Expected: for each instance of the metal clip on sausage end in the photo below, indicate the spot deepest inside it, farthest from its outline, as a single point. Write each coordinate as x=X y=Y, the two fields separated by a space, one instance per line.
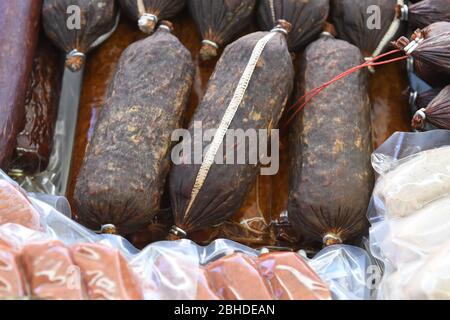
x=147 y=23
x=108 y=229
x=209 y=49
x=75 y=60
x=413 y=98
x=330 y=239
x=178 y=232
x=283 y=27
x=402 y=12
x=418 y=121
x=328 y=30
x=166 y=26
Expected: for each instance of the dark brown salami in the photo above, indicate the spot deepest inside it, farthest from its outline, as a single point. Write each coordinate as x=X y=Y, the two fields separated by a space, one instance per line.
x=430 y=48
x=148 y=12
x=426 y=12
x=128 y=158
x=422 y=100
x=368 y=24
x=306 y=17
x=226 y=185
x=330 y=176
x=437 y=113
x=34 y=142
x=219 y=21
x=19 y=27
x=77 y=26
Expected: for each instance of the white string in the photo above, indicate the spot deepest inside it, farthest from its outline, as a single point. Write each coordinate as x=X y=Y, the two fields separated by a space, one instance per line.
x=272 y=11
x=141 y=7
x=105 y=36
x=230 y=112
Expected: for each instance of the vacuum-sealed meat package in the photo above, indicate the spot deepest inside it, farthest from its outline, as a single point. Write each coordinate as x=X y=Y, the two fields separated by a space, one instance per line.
x=51 y=272
x=106 y=273
x=416 y=235
x=236 y=277
x=12 y=285
x=409 y=215
x=291 y=278
x=413 y=183
x=15 y=207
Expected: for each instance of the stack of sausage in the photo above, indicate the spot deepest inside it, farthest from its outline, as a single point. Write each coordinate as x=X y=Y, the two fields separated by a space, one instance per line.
x=48 y=269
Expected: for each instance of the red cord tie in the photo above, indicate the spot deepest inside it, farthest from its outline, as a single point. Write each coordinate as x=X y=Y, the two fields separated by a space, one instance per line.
x=306 y=98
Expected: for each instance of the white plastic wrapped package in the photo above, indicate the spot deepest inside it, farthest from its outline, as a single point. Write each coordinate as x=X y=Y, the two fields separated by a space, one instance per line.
x=409 y=213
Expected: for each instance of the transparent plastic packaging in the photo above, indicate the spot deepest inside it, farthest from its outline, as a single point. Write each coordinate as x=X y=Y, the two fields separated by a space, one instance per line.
x=291 y=278
x=347 y=270
x=63 y=260
x=409 y=215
